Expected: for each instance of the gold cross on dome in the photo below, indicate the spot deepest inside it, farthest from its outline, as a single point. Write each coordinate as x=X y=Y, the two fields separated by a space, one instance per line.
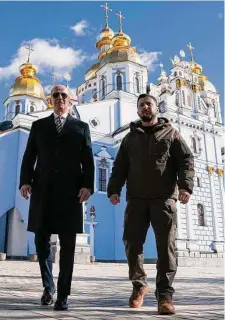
x=30 y=49
x=191 y=51
x=120 y=17
x=106 y=8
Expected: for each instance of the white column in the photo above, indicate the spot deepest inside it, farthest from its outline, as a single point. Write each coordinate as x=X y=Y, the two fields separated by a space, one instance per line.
x=220 y=173
x=92 y=225
x=192 y=243
x=180 y=240
x=213 y=202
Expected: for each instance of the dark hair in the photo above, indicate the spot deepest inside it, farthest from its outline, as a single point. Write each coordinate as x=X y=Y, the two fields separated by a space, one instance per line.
x=143 y=95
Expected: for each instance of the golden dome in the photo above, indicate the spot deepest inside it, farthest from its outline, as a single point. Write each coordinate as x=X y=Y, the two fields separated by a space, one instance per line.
x=105 y=39
x=106 y=33
x=121 y=54
x=91 y=72
x=121 y=40
x=27 y=83
x=206 y=85
x=195 y=67
x=48 y=99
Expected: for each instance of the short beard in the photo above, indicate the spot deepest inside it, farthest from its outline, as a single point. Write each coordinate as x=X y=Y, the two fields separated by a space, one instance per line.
x=147 y=118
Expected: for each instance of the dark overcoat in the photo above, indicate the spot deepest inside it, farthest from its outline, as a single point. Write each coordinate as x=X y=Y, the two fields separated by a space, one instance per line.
x=57 y=166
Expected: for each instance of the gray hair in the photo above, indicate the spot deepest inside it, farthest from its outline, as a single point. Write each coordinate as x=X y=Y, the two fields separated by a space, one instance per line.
x=59 y=85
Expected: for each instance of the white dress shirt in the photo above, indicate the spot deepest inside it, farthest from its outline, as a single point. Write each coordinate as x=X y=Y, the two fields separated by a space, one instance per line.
x=63 y=117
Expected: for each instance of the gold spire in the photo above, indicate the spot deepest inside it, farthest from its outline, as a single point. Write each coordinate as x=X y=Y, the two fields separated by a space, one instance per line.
x=195 y=67
x=191 y=50
x=120 y=40
x=106 y=8
x=30 y=49
x=27 y=83
x=105 y=38
x=120 y=17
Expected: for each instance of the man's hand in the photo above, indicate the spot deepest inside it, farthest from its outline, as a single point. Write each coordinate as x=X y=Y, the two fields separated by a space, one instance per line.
x=84 y=194
x=114 y=199
x=25 y=190
x=184 y=196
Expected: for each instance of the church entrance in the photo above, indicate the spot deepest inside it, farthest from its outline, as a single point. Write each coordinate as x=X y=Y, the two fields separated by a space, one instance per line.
x=4 y=222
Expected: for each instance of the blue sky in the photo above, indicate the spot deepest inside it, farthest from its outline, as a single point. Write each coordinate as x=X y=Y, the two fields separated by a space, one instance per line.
x=157 y=29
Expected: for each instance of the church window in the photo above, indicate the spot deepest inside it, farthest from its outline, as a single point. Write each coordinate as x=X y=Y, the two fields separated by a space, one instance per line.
x=137 y=83
x=175 y=74
x=183 y=97
x=201 y=215
x=17 y=109
x=199 y=104
x=102 y=179
x=189 y=100
x=31 y=108
x=119 y=82
x=177 y=99
x=103 y=87
x=194 y=145
x=180 y=73
x=198 y=182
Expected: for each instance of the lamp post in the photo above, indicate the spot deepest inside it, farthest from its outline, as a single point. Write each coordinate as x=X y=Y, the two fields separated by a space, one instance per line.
x=92 y=235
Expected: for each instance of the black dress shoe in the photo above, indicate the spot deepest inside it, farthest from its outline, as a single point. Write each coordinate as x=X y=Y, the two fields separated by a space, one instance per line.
x=61 y=304
x=47 y=297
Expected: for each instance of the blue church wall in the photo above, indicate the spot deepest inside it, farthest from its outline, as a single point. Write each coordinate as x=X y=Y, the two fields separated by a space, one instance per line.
x=8 y=170
x=2 y=232
x=111 y=221
x=20 y=203
x=104 y=230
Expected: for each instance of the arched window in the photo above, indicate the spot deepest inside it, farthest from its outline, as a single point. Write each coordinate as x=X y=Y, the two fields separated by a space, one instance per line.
x=177 y=99
x=31 y=108
x=183 y=97
x=198 y=182
x=194 y=145
x=189 y=100
x=119 y=82
x=17 y=109
x=137 y=84
x=103 y=86
x=102 y=179
x=201 y=215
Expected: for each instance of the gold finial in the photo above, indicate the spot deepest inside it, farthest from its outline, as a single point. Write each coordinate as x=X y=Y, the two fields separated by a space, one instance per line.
x=210 y=169
x=106 y=8
x=30 y=49
x=120 y=17
x=191 y=50
x=220 y=172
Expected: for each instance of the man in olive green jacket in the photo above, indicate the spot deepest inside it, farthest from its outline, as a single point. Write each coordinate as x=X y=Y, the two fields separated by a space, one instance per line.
x=158 y=168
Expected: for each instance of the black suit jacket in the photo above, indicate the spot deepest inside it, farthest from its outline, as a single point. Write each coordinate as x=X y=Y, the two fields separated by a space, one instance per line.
x=57 y=166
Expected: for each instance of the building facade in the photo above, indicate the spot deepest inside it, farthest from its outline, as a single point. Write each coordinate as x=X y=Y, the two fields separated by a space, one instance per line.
x=107 y=102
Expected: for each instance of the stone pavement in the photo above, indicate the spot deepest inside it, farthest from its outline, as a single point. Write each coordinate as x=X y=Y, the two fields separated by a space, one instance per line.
x=101 y=291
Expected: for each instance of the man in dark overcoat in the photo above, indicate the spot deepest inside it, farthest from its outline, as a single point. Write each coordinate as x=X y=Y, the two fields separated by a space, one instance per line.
x=58 y=171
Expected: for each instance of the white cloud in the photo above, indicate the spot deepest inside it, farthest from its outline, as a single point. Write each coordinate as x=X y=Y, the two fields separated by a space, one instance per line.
x=150 y=59
x=47 y=55
x=79 y=28
x=220 y=15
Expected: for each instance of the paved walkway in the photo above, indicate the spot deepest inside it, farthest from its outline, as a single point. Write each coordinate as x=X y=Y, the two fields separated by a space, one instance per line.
x=101 y=291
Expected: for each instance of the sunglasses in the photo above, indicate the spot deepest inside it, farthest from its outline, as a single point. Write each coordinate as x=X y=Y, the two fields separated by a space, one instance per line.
x=57 y=94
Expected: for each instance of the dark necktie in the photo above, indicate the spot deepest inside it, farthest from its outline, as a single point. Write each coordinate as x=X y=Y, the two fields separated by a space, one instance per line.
x=58 y=123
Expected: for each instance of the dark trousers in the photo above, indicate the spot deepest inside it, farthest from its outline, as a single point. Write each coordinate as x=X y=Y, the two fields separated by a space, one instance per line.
x=162 y=215
x=66 y=261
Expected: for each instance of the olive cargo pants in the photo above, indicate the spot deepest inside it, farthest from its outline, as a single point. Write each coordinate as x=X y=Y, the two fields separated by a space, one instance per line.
x=162 y=215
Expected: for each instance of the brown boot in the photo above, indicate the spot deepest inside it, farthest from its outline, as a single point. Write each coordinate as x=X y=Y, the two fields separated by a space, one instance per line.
x=165 y=306
x=137 y=296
